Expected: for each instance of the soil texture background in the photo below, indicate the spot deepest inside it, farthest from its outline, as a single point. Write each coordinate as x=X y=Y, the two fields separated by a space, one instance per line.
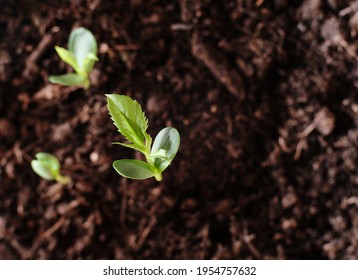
x=263 y=93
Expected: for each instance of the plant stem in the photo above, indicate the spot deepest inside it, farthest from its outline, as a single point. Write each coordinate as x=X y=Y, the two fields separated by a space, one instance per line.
x=86 y=83
x=150 y=160
x=64 y=180
x=158 y=177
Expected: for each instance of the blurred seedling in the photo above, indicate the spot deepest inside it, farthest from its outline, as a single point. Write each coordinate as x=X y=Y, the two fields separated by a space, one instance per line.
x=81 y=56
x=47 y=166
x=132 y=123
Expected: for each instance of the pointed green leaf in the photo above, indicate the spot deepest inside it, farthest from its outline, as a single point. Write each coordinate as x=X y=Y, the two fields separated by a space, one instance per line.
x=67 y=57
x=133 y=169
x=89 y=62
x=129 y=118
x=82 y=43
x=92 y=56
x=148 y=139
x=168 y=139
x=71 y=79
x=46 y=166
x=129 y=145
x=160 y=154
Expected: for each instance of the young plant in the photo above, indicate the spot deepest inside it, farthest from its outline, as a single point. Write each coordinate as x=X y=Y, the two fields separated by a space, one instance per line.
x=81 y=56
x=47 y=166
x=132 y=123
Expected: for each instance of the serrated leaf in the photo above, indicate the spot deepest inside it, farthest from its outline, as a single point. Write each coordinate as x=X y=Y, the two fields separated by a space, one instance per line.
x=148 y=140
x=129 y=118
x=46 y=166
x=133 y=169
x=67 y=57
x=168 y=139
x=160 y=154
x=129 y=145
x=82 y=43
x=71 y=79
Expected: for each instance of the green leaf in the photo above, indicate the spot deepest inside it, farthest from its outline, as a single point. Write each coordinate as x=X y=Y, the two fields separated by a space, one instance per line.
x=133 y=169
x=129 y=118
x=89 y=62
x=92 y=56
x=46 y=166
x=168 y=139
x=160 y=154
x=71 y=79
x=82 y=44
x=42 y=170
x=67 y=57
x=129 y=145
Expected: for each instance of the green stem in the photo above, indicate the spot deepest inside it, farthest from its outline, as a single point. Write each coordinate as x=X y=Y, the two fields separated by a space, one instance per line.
x=148 y=157
x=64 y=180
x=86 y=84
x=158 y=177
x=150 y=160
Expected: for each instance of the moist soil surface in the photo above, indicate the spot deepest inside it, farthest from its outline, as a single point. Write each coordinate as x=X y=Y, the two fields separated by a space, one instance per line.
x=263 y=93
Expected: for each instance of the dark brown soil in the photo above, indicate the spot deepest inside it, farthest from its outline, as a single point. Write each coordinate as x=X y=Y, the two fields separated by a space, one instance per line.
x=263 y=93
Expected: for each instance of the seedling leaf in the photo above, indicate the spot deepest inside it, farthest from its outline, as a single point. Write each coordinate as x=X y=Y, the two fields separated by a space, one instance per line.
x=82 y=43
x=129 y=145
x=168 y=139
x=133 y=169
x=70 y=79
x=46 y=166
x=42 y=170
x=67 y=57
x=161 y=154
x=129 y=118
x=89 y=62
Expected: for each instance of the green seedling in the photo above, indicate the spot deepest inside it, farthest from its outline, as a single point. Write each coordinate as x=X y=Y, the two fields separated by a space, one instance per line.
x=47 y=166
x=132 y=123
x=81 y=56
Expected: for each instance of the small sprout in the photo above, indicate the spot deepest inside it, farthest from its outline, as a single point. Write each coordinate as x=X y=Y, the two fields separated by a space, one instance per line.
x=47 y=166
x=132 y=123
x=81 y=56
